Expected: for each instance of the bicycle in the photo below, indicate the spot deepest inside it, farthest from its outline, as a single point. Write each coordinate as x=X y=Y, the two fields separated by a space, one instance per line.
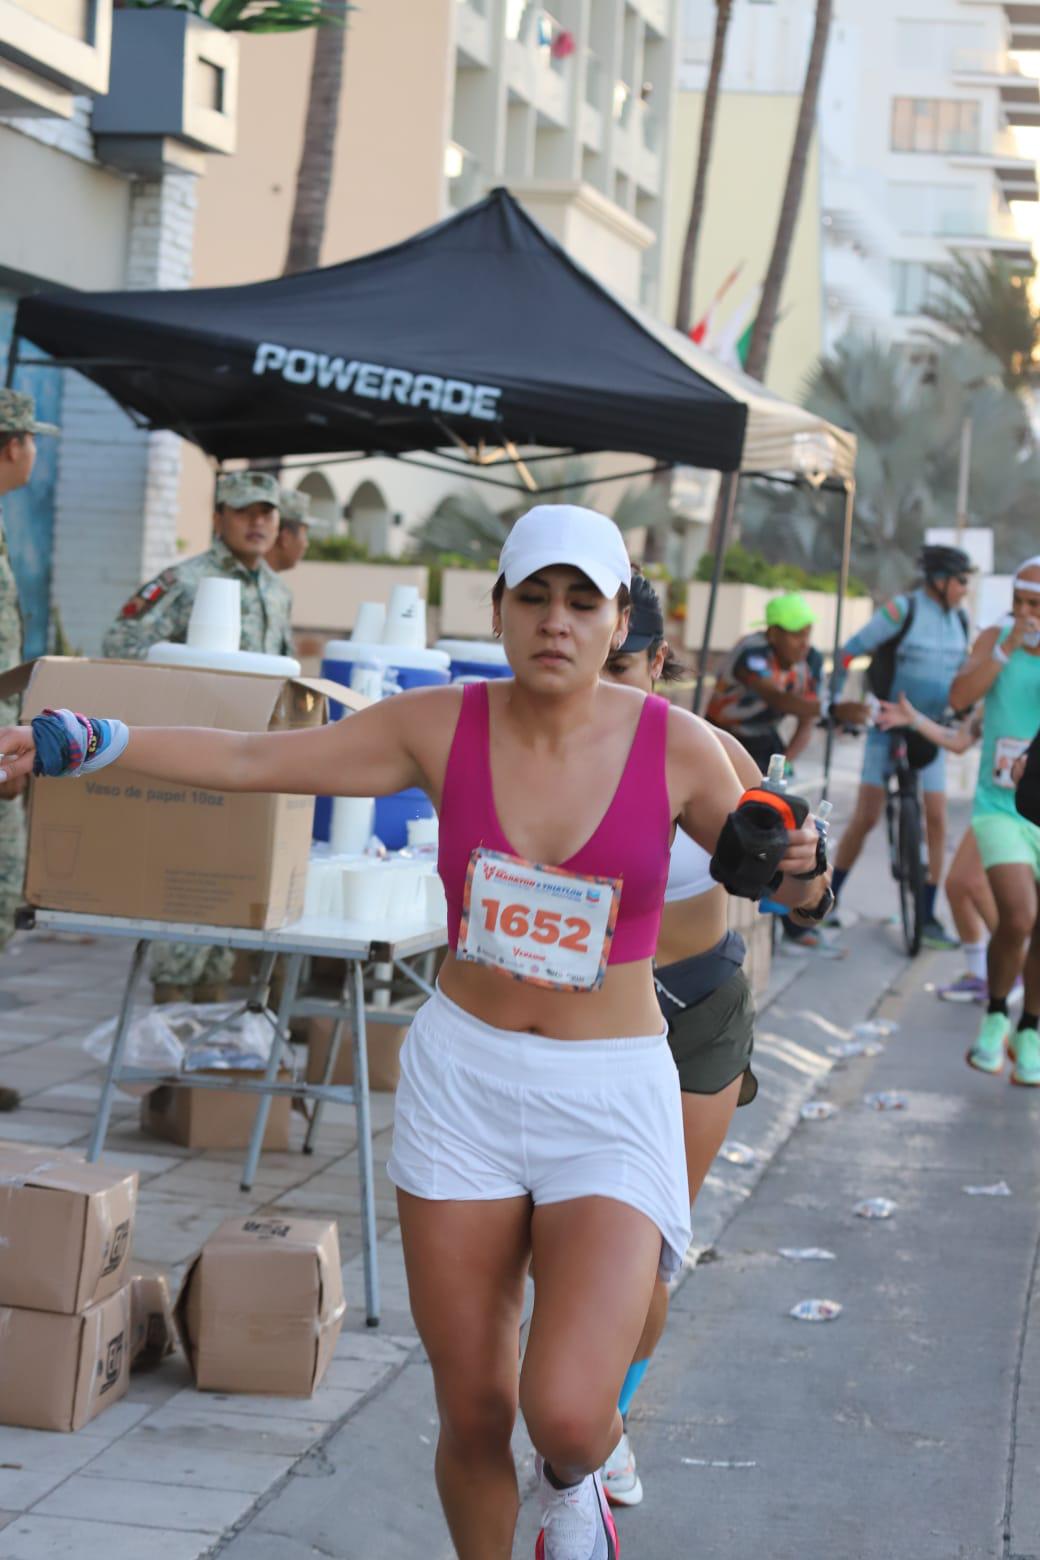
x=904 y=820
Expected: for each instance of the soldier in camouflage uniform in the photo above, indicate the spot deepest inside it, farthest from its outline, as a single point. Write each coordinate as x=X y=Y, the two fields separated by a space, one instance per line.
x=18 y=430
x=291 y=546
x=246 y=524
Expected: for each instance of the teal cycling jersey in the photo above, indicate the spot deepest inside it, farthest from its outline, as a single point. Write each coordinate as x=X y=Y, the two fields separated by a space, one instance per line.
x=927 y=659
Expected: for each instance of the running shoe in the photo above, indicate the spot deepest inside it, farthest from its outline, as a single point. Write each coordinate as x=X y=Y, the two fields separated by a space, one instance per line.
x=621 y=1483
x=966 y=988
x=1027 y=1059
x=987 y=1054
x=576 y=1523
x=935 y=935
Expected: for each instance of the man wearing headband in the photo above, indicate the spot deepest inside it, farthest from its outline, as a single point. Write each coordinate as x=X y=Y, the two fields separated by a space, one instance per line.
x=917 y=643
x=769 y=676
x=1004 y=669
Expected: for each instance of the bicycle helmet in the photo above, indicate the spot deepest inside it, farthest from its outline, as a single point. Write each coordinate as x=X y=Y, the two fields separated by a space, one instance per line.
x=937 y=560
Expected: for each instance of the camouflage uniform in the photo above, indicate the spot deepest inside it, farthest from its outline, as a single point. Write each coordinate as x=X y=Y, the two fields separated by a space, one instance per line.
x=17 y=415
x=160 y=611
x=294 y=506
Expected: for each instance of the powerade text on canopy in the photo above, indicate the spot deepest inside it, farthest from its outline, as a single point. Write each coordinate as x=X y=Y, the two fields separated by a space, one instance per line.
x=300 y=366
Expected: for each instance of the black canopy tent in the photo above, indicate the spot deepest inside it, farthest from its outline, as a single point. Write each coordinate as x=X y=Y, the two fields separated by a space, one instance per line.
x=472 y=341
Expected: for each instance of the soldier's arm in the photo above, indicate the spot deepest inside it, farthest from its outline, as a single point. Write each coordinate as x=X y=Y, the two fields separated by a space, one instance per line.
x=159 y=610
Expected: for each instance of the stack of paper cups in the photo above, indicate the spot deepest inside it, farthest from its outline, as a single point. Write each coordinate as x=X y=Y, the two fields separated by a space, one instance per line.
x=371 y=622
x=406 y=618
x=352 y=818
x=216 y=617
x=367 y=679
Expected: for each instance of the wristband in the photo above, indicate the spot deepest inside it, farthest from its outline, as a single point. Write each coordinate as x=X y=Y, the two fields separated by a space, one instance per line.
x=68 y=744
x=1000 y=655
x=821 y=909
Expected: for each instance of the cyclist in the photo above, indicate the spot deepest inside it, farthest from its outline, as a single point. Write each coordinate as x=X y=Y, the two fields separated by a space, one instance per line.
x=1004 y=669
x=919 y=642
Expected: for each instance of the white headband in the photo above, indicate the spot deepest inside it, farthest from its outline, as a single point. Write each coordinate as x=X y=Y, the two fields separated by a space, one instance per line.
x=1023 y=584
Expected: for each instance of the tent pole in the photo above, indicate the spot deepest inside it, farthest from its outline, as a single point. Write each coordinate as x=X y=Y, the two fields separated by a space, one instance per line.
x=843 y=587
x=725 y=505
x=12 y=361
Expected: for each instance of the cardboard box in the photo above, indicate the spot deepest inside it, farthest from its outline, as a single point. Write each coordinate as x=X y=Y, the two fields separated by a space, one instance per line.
x=384 y=1053
x=212 y=1118
x=119 y=843
x=262 y=1306
x=65 y=1229
x=152 y=1332
x=58 y=1372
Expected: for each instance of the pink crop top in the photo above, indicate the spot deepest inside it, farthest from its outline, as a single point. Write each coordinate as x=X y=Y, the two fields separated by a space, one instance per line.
x=631 y=841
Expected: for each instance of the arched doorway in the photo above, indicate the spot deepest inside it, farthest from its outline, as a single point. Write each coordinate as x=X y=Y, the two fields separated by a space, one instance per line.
x=325 y=515
x=370 y=518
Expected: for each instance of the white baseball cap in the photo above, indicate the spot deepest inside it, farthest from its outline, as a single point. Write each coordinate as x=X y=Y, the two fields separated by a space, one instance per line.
x=566 y=533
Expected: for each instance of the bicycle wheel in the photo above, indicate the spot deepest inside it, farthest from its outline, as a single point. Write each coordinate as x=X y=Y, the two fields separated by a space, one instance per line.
x=892 y=830
x=911 y=873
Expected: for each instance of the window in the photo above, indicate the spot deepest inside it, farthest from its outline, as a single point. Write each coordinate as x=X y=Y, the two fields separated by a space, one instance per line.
x=940 y=209
x=209 y=85
x=938 y=45
x=935 y=124
x=915 y=286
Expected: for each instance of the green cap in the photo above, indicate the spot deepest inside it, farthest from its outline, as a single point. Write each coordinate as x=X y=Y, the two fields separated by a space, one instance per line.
x=238 y=489
x=18 y=414
x=791 y=613
x=294 y=506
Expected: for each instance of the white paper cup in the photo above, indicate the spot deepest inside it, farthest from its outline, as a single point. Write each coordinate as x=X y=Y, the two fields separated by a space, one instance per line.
x=371 y=621
x=366 y=892
x=352 y=818
x=216 y=615
x=367 y=679
x=403 y=617
x=422 y=831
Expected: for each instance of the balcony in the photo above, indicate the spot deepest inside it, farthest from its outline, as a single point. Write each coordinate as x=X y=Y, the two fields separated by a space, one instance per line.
x=540 y=54
x=50 y=50
x=996 y=235
x=592 y=102
x=472 y=33
x=462 y=172
x=1019 y=94
x=1016 y=174
x=1024 y=21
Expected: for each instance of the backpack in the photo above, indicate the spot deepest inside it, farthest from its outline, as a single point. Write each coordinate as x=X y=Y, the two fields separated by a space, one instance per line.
x=882 y=669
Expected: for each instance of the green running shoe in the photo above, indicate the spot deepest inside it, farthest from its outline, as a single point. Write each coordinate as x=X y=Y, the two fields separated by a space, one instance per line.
x=987 y=1054
x=1027 y=1059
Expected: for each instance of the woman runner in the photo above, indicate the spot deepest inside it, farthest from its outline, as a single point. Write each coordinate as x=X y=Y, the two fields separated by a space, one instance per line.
x=538 y=1118
x=704 y=995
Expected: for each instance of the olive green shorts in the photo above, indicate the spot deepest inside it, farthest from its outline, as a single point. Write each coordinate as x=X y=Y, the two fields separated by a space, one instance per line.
x=712 y=1041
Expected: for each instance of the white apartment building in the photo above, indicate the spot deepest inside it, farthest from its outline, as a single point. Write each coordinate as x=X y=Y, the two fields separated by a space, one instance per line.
x=918 y=151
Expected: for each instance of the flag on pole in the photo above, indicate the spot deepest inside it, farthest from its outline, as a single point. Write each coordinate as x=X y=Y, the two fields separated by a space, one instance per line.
x=732 y=346
x=699 y=332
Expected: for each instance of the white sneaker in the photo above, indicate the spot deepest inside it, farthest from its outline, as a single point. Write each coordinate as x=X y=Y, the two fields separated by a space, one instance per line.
x=576 y=1523
x=621 y=1482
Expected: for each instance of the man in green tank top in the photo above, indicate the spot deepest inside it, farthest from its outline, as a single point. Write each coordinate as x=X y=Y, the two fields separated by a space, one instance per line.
x=1004 y=669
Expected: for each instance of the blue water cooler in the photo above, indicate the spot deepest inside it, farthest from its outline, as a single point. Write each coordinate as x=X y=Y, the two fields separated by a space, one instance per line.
x=472 y=658
x=409 y=668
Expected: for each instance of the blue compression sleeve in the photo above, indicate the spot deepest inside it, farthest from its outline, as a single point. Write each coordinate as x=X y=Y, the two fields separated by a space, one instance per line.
x=631 y=1384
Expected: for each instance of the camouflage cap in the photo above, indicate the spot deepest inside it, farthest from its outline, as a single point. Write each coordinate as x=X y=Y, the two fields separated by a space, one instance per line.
x=238 y=489
x=18 y=414
x=294 y=506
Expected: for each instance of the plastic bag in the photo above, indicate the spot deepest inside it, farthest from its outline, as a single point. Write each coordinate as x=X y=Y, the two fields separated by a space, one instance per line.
x=815 y=1311
x=175 y=1038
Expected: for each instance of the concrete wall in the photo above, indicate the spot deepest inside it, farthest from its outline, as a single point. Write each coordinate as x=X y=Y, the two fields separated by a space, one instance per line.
x=749 y=167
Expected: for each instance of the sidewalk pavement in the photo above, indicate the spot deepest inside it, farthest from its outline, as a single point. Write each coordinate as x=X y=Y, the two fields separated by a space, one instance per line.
x=259 y=1477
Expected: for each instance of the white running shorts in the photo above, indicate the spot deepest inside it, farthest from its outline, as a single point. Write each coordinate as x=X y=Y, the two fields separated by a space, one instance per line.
x=483 y=1113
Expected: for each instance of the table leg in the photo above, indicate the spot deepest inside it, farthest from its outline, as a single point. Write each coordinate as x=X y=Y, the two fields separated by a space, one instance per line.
x=366 y=1171
x=115 y=1056
x=335 y=1041
x=281 y=1037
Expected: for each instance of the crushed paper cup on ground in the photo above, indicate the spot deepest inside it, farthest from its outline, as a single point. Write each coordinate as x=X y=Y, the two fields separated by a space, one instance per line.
x=818 y=1110
x=845 y=1050
x=815 y=1311
x=998 y=1189
x=717 y=1462
x=738 y=1154
x=875 y=1208
x=886 y=1099
x=805 y=1254
x=875 y=1029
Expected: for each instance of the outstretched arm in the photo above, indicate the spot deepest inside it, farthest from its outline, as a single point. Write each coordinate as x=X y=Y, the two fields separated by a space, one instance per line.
x=371 y=753
x=955 y=739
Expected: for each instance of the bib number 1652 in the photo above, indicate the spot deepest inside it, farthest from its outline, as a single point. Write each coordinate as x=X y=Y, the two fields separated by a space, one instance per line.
x=541 y=926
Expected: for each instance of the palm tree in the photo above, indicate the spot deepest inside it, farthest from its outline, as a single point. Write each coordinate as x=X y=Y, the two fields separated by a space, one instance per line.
x=709 y=111
x=988 y=301
x=314 y=176
x=772 y=287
